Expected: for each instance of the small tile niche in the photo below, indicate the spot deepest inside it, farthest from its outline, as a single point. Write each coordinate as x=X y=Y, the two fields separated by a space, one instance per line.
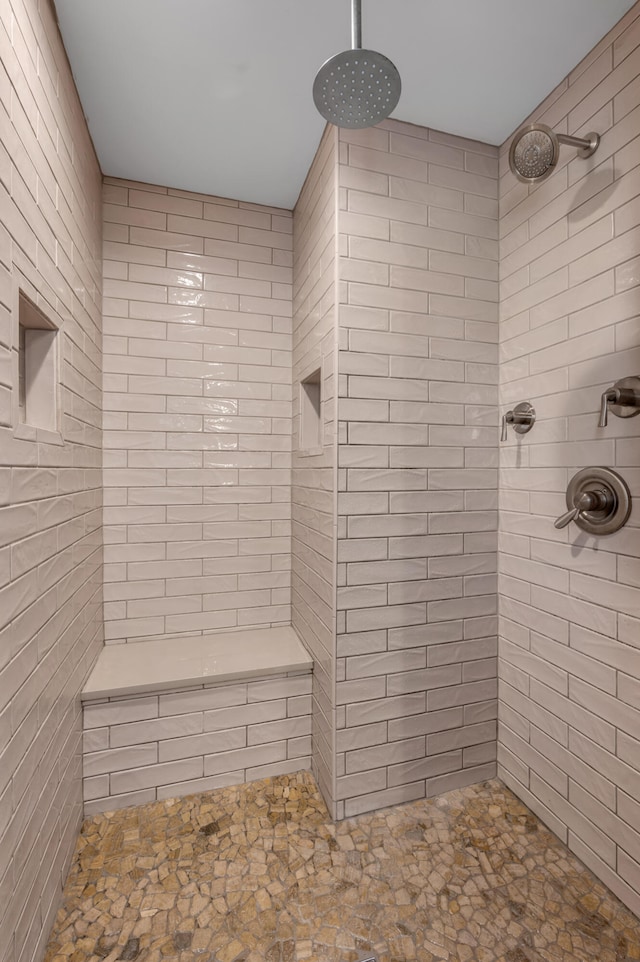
x=37 y=367
x=311 y=412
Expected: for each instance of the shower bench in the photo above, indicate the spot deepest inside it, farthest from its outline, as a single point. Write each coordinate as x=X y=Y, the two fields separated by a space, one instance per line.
x=175 y=716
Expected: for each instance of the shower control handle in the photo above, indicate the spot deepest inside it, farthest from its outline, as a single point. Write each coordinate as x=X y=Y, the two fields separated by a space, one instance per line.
x=599 y=501
x=567 y=518
x=623 y=400
x=607 y=398
x=588 y=501
x=522 y=418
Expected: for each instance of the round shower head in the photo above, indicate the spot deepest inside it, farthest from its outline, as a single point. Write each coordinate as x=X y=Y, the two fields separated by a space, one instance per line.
x=356 y=88
x=534 y=153
x=535 y=149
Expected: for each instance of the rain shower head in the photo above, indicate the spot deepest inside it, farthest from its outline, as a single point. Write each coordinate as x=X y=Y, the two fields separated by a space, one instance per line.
x=535 y=150
x=356 y=88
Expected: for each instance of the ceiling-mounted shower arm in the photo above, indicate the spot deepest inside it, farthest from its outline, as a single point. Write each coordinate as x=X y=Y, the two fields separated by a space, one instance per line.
x=586 y=145
x=358 y=87
x=356 y=24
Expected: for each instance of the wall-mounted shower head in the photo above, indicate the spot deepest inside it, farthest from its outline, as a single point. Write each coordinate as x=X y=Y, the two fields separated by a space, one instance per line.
x=356 y=88
x=535 y=150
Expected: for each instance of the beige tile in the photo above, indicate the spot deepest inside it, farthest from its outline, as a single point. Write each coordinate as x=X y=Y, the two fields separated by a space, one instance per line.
x=153 y=775
x=145 y=731
x=117 y=759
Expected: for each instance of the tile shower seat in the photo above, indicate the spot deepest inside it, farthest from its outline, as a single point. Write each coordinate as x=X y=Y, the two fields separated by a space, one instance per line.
x=172 y=717
x=146 y=666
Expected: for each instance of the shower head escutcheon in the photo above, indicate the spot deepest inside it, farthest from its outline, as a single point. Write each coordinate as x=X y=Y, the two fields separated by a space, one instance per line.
x=535 y=150
x=356 y=88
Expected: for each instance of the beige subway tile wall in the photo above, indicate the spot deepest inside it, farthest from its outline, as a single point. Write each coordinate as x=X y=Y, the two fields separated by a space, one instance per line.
x=417 y=479
x=384 y=386
x=315 y=451
x=569 y=740
x=168 y=744
x=197 y=422
x=50 y=484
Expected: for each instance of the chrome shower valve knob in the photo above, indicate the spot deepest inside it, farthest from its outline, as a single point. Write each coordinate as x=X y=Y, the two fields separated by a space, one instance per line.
x=598 y=500
x=521 y=418
x=623 y=400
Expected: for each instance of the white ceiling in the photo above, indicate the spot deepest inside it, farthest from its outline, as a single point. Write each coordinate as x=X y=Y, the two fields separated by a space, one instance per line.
x=215 y=95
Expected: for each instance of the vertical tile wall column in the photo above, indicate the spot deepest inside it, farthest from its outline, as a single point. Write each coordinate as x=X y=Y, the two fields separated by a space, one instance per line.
x=569 y=742
x=416 y=641
x=50 y=484
x=314 y=471
x=197 y=412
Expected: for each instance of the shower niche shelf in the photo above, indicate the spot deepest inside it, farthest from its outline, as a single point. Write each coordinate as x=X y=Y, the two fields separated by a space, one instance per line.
x=311 y=413
x=36 y=415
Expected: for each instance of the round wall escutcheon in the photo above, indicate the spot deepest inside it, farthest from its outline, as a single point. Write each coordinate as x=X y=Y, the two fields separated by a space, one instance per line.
x=616 y=500
x=626 y=410
x=524 y=417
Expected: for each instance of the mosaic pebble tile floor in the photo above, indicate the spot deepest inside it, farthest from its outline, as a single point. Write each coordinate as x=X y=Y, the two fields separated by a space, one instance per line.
x=259 y=872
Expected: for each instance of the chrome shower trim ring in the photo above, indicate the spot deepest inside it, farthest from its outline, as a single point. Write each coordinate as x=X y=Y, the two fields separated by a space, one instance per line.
x=594 y=143
x=599 y=501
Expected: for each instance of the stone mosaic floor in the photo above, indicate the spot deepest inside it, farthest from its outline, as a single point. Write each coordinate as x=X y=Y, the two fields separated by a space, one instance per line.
x=258 y=872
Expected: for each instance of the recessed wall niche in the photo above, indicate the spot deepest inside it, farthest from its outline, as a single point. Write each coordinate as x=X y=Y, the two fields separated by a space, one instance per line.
x=311 y=412
x=37 y=367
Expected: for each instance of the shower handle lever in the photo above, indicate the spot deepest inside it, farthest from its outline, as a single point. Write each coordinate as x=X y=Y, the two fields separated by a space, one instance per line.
x=608 y=397
x=506 y=419
x=623 y=400
x=522 y=418
x=588 y=501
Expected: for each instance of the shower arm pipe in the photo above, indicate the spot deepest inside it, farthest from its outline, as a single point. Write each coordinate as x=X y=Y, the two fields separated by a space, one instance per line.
x=584 y=143
x=356 y=24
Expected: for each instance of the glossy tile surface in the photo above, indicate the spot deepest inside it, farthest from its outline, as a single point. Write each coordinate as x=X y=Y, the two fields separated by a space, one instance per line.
x=197 y=413
x=51 y=627
x=569 y=719
x=416 y=624
x=313 y=476
x=259 y=872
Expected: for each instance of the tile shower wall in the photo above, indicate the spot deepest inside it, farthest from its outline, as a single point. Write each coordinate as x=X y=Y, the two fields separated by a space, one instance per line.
x=569 y=741
x=50 y=498
x=314 y=469
x=416 y=645
x=168 y=744
x=197 y=304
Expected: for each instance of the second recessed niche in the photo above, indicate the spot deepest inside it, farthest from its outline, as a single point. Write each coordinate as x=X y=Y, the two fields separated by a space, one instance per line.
x=311 y=412
x=37 y=367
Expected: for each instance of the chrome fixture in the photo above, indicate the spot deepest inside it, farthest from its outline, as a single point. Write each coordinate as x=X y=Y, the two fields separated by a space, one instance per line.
x=599 y=501
x=522 y=419
x=535 y=150
x=623 y=400
x=356 y=88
